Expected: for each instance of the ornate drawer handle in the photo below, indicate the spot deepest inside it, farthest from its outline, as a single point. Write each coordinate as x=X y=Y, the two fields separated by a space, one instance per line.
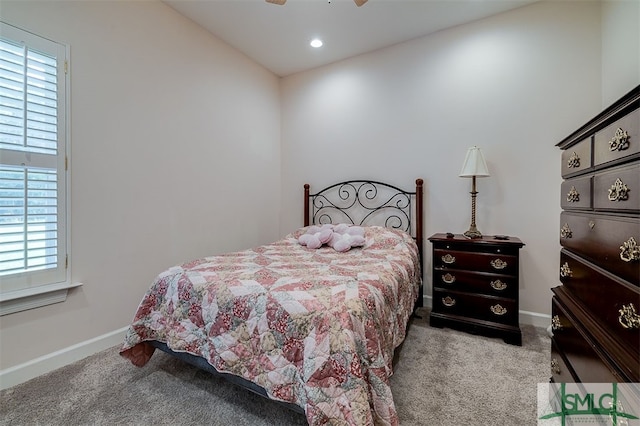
x=573 y=196
x=448 y=278
x=555 y=366
x=448 y=301
x=565 y=231
x=628 y=317
x=574 y=161
x=565 y=271
x=498 y=310
x=498 y=285
x=620 y=140
x=629 y=250
x=619 y=191
x=447 y=258
x=498 y=264
x=556 y=325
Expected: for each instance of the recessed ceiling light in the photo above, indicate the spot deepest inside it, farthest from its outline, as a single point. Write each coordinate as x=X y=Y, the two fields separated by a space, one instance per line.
x=316 y=42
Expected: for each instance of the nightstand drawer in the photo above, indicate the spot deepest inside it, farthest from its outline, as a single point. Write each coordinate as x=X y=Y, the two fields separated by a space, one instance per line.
x=475 y=285
x=485 y=308
x=480 y=262
x=476 y=282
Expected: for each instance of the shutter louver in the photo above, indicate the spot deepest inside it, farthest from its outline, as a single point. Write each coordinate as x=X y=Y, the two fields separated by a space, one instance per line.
x=28 y=228
x=32 y=180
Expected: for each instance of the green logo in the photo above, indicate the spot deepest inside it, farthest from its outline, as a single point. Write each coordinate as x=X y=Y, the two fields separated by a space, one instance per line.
x=614 y=404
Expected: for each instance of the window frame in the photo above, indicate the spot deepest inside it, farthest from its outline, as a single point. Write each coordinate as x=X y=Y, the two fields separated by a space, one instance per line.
x=31 y=289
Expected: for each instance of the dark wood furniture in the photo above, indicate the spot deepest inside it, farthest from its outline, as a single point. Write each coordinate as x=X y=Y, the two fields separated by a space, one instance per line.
x=475 y=285
x=595 y=310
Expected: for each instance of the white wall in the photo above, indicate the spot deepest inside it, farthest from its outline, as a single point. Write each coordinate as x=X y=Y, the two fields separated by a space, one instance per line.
x=176 y=140
x=175 y=147
x=513 y=84
x=620 y=48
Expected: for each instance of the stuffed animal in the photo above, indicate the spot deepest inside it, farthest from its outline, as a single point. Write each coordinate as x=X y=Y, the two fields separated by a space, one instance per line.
x=316 y=236
x=344 y=237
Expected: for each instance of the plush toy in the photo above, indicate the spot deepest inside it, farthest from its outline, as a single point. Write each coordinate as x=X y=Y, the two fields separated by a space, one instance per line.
x=344 y=237
x=316 y=236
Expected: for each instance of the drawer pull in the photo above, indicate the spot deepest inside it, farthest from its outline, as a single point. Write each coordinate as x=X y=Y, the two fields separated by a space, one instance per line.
x=619 y=191
x=447 y=258
x=498 y=264
x=565 y=231
x=498 y=285
x=628 y=318
x=629 y=250
x=574 y=161
x=620 y=140
x=498 y=309
x=556 y=325
x=573 y=196
x=448 y=278
x=555 y=366
x=592 y=224
x=448 y=301
x=565 y=271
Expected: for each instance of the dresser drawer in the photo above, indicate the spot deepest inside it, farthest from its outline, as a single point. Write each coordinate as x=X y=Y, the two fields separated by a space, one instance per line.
x=576 y=193
x=483 y=283
x=579 y=352
x=485 y=308
x=608 y=241
x=608 y=298
x=619 y=140
x=577 y=158
x=560 y=370
x=618 y=189
x=480 y=262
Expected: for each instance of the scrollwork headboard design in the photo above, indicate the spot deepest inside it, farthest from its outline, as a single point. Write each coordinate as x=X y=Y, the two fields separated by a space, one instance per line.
x=367 y=202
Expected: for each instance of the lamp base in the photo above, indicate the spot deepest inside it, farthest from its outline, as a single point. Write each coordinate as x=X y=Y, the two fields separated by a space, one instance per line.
x=472 y=233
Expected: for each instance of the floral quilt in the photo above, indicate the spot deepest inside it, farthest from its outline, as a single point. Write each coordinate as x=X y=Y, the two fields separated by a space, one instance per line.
x=313 y=327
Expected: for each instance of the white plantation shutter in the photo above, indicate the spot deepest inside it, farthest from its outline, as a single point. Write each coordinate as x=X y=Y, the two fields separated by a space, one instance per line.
x=33 y=235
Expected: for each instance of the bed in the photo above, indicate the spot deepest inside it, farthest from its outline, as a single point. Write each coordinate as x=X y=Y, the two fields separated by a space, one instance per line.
x=314 y=329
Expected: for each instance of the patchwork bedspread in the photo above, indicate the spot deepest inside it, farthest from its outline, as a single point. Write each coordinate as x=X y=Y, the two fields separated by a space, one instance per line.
x=313 y=327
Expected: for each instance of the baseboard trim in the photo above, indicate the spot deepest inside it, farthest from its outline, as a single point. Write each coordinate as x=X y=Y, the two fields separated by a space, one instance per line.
x=535 y=319
x=526 y=317
x=23 y=372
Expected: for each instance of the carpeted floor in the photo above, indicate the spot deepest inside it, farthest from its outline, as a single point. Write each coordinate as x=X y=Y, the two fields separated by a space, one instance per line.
x=442 y=377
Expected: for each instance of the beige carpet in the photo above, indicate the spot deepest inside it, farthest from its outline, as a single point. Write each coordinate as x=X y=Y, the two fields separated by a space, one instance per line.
x=442 y=377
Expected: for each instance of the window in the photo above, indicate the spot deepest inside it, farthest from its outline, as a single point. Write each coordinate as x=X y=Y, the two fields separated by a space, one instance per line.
x=33 y=163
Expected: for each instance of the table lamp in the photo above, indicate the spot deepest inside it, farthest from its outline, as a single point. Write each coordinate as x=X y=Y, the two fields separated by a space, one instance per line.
x=474 y=166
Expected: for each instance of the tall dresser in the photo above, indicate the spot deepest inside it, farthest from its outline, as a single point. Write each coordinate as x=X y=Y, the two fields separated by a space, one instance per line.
x=596 y=309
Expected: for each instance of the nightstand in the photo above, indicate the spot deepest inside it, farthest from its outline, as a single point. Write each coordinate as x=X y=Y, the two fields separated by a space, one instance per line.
x=475 y=285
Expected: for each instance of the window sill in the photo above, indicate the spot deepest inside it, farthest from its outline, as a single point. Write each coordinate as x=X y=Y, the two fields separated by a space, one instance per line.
x=30 y=298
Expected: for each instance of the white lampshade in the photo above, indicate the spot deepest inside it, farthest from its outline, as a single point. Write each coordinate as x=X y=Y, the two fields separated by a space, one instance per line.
x=474 y=164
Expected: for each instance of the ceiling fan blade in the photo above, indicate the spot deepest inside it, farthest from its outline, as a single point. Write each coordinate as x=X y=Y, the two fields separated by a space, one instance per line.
x=280 y=2
x=359 y=2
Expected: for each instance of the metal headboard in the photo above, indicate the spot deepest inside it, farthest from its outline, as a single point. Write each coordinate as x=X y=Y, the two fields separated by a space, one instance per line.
x=367 y=202
x=363 y=202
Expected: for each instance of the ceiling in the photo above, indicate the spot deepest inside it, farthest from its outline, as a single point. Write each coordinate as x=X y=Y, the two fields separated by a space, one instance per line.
x=278 y=36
